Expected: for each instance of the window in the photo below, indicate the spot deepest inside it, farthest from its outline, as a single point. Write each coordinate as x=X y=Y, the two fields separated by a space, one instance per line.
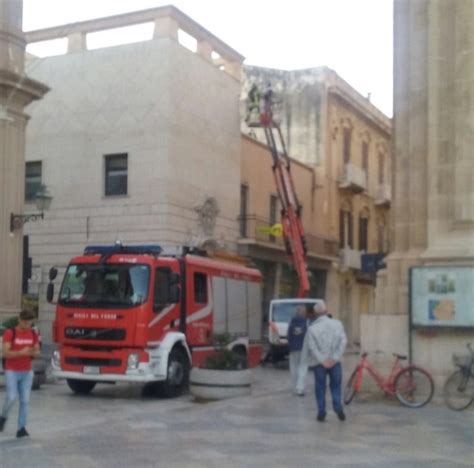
x=342 y=239
x=200 y=288
x=162 y=285
x=105 y=286
x=347 y=145
x=350 y=229
x=365 y=157
x=345 y=229
x=363 y=233
x=116 y=174
x=381 y=168
x=273 y=213
x=244 y=196
x=33 y=172
x=381 y=238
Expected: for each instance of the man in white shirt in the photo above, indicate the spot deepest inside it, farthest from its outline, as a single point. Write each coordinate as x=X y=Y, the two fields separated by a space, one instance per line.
x=324 y=346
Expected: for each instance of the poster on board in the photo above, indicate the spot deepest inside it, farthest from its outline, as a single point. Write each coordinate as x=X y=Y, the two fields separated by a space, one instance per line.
x=442 y=296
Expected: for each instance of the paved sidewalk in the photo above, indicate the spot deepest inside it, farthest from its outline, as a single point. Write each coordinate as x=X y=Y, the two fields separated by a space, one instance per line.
x=115 y=427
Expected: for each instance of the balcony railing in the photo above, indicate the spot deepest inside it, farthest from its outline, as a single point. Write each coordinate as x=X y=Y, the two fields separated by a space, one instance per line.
x=253 y=228
x=168 y=22
x=350 y=259
x=353 y=178
x=384 y=195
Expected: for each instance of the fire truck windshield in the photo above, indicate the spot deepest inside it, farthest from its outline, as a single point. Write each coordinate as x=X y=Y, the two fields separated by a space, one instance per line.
x=105 y=285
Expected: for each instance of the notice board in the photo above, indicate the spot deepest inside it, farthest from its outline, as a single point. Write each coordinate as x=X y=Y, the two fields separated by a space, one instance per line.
x=442 y=296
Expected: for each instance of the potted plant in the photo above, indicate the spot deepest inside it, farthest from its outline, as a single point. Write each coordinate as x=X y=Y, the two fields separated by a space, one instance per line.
x=223 y=374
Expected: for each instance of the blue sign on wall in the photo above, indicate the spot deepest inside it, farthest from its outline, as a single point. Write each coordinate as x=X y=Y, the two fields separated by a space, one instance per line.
x=371 y=263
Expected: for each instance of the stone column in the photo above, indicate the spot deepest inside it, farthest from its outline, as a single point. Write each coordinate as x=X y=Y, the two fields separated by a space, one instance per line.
x=16 y=92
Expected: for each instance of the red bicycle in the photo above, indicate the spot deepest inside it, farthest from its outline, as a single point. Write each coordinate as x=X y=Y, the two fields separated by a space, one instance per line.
x=412 y=385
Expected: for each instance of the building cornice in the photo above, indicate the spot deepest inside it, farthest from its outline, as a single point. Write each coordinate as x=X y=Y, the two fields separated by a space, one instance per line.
x=133 y=18
x=19 y=89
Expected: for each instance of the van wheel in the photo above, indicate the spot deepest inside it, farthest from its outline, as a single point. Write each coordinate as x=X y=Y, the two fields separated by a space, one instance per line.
x=81 y=387
x=177 y=377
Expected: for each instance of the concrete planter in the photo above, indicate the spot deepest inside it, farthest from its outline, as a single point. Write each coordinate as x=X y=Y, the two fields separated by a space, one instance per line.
x=211 y=384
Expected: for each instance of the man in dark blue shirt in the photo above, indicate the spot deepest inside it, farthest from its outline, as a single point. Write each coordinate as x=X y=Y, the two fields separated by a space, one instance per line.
x=296 y=333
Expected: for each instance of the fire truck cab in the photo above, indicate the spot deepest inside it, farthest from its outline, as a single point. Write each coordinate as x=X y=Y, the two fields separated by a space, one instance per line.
x=148 y=314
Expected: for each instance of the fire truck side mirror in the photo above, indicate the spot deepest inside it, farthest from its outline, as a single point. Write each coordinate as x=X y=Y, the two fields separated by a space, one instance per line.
x=50 y=292
x=53 y=272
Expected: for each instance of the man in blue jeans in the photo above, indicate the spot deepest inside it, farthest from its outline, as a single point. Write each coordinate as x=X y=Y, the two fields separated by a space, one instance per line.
x=296 y=333
x=324 y=346
x=20 y=347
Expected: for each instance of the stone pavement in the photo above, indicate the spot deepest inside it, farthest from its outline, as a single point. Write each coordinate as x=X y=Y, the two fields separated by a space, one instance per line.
x=115 y=427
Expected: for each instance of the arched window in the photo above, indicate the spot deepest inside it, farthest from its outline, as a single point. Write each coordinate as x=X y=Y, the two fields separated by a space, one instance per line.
x=346 y=126
x=346 y=145
x=346 y=229
x=364 y=229
x=382 y=238
x=381 y=168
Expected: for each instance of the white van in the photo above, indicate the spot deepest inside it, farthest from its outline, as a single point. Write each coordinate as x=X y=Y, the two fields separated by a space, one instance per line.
x=279 y=316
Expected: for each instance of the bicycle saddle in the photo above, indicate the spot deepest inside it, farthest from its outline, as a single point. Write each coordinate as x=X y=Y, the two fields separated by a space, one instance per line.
x=400 y=356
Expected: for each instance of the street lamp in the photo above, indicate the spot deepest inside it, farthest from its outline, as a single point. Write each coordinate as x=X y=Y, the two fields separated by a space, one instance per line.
x=42 y=200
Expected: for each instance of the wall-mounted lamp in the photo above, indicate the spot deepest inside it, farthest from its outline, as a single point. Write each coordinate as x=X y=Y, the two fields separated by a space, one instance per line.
x=42 y=200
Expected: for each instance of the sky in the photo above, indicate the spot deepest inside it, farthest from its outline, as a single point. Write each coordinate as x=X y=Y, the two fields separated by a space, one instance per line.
x=353 y=37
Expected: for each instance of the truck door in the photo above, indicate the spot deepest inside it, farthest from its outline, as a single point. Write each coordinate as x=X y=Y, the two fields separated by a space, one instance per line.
x=166 y=298
x=199 y=310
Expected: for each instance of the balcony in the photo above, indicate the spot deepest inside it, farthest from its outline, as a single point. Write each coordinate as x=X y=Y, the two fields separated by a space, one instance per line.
x=255 y=230
x=353 y=178
x=383 y=196
x=350 y=259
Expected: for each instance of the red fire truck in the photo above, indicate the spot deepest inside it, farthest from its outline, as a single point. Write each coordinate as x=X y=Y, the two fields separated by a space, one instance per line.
x=147 y=314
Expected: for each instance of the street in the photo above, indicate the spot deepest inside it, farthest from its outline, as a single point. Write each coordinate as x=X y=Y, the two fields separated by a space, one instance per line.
x=116 y=427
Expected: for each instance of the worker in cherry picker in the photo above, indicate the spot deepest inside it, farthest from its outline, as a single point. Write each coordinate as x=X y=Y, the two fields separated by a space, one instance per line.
x=259 y=106
x=253 y=103
x=266 y=115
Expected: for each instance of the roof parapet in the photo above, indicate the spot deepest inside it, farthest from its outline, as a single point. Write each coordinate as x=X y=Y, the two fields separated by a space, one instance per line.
x=168 y=20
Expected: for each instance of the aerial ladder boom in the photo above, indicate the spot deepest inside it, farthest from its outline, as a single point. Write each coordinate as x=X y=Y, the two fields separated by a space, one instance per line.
x=293 y=232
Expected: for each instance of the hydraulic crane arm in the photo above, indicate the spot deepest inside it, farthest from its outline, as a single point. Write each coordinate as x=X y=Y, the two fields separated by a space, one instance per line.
x=293 y=232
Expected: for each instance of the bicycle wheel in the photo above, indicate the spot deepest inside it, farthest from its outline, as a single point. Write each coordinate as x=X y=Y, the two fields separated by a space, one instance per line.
x=350 y=390
x=414 y=387
x=458 y=391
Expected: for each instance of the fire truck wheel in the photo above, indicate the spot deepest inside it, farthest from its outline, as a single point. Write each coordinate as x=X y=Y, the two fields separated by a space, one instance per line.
x=178 y=374
x=81 y=387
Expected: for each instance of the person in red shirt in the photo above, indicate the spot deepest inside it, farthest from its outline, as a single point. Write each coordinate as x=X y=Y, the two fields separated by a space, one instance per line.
x=20 y=347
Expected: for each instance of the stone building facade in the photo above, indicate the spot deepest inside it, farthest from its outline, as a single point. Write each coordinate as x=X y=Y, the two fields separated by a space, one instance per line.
x=17 y=90
x=433 y=174
x=344 y=142
x=138 y=142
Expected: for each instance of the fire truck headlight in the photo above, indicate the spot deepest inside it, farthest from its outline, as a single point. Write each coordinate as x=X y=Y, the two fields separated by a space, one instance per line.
x=56 y=359
x=133 y=361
